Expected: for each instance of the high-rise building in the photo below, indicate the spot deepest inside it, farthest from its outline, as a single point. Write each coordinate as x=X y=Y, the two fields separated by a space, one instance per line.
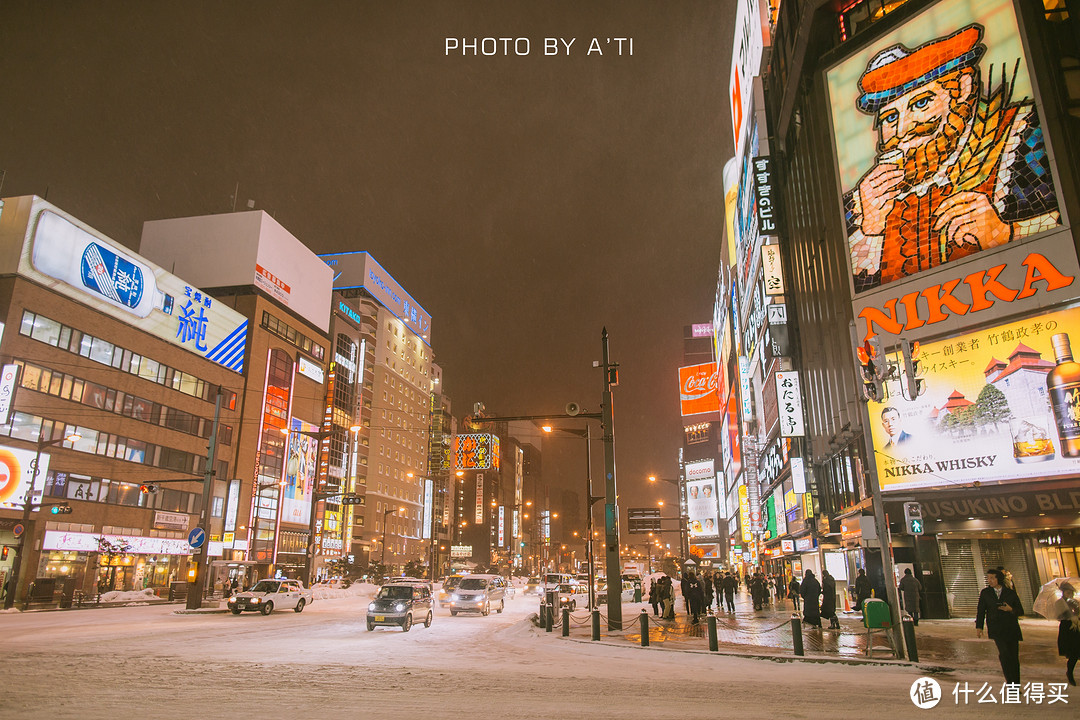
x=903 y=186
x=393 y=525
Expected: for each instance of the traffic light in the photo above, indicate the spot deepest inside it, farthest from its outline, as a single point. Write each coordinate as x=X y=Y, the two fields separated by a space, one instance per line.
x=60 y=509
x=913 y=519
x=873 y=367
x=147 y=489
x=914 y=386
x=4 y=553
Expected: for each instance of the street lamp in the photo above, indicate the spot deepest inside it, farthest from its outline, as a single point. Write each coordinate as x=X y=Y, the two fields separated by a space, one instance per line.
x=385 y=515
x=16 y=566
x=590 y=500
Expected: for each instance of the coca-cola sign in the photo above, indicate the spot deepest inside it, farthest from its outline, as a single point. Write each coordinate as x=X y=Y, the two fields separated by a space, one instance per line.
x=698 y=389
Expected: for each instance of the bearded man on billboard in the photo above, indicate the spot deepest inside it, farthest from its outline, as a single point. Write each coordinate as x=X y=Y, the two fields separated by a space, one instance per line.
x=958 y=169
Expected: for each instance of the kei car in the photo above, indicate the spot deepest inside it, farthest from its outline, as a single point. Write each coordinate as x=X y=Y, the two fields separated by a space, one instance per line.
x=400 y=604
x=266 y=595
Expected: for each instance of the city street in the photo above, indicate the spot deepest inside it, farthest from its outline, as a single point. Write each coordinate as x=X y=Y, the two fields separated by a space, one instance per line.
x=153 y=661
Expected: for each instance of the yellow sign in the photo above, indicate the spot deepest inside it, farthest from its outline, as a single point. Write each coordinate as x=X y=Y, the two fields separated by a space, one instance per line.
x=744 y=513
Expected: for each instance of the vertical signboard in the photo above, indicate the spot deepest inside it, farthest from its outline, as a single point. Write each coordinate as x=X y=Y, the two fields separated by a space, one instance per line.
x=478 y=516
x=789 y=397
x=502 y=526
x=8 y=376
x=429 y=508
x=744 y=513
x=301 y=469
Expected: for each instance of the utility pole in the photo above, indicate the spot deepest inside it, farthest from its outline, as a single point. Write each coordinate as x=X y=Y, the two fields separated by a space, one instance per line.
x=202 y=567
x=611 y=507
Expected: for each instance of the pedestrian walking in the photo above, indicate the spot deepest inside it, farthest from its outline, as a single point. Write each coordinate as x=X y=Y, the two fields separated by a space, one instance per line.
x=718 y=583
x=828 y=600
x=793 y=592
x=999 y=609
x=810 y=589
x=781 y=590
x=1069 y=631
x=863 y=589
x=654 y=596
x=707 y=586
x=695 y=597
x=730 y=583
x=682 y=590
x=910 y=595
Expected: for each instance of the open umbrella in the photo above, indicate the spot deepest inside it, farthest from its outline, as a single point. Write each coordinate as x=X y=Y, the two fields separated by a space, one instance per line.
x=1049 y=603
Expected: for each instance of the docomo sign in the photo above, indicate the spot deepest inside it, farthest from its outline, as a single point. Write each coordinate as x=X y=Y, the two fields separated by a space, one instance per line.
x=700 y=470
x=698 y=389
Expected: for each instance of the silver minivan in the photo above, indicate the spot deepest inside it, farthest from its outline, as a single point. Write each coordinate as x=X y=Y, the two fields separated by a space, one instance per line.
x=478 y=593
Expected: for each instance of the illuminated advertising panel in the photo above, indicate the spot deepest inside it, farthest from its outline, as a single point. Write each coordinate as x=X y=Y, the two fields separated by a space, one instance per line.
x=8 y=375
x=429 y=508
x=938 y=142
x=72 y=259
x=745 y=64
x=701 y=508
x=698 y=392
x=789 y=399
x=16 y=475
x=502 y=526
x=301 y=468
x=477 y=451
x=744 y=513
x=1000 y=405
x=360 y=270
x=772 y=270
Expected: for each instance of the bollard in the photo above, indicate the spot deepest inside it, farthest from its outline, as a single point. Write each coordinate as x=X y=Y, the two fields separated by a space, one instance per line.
x=566 y=622
x=714 y=645
x=796 y=634
x=909 y=638
x=644 y=617
x=595 y=624
x=547 y=618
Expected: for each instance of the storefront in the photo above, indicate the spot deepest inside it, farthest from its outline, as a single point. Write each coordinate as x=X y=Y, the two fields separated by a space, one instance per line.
x=1033 y=533
x=98 y=562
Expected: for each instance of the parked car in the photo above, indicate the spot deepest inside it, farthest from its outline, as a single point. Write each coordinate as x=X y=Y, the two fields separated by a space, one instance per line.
x=479 y=593
x=401 y=604
x=266 y=595
x=626 y=596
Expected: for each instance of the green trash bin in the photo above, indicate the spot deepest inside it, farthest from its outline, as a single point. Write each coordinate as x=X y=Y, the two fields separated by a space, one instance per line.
x=876 y=613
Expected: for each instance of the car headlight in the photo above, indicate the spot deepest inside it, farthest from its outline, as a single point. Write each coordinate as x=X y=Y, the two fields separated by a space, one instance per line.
x=455 y=596
x=232 y=601
x=371 y=606
x=400 y=607
x=256 y=600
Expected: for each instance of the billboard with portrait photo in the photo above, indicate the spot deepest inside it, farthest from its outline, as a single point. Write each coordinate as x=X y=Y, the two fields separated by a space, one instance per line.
x=939 y=145
x=986 y=413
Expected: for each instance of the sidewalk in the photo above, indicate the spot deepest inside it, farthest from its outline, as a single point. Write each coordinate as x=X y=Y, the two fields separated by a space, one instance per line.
x=948 y=644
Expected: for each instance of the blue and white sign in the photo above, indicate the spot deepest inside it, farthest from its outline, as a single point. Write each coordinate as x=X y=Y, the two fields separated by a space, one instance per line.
x=196 y=537
x=360 y=270
x=72 y=259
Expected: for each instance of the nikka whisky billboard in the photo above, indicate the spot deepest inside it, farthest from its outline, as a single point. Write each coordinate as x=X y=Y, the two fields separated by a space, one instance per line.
x=1000 y=405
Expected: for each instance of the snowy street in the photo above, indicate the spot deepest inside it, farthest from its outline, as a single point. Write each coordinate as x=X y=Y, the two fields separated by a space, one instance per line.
x=150 y=661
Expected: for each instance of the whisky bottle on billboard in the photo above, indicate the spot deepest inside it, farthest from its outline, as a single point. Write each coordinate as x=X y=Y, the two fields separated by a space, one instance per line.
x=1063 y=384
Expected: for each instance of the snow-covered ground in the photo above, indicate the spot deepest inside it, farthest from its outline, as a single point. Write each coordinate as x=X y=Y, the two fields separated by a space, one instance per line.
x=150 y=661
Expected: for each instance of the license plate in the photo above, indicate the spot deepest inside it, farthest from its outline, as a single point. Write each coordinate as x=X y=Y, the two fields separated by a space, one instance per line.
x=380 y=618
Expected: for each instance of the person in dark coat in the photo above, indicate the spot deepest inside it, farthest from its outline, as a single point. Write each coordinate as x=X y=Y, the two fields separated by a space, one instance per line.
x=910 y=593
x=730 y=584
x=828 y=600
x=695 y=597
x=718 y=583
x=810 y=589
x=999 y=609
x=1069 y=631
x=707 y=586
x=863 y=589
x=682 y=589
x=793 y=592
x=667 y=598
x=654 y=596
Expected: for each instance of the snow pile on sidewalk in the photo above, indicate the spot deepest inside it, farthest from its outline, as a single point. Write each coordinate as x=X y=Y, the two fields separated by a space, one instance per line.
x=128 y=596
x=327 y=592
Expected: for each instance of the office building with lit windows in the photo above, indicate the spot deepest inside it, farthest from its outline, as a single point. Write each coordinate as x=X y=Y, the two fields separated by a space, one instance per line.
x=112 y=370
x=392 y=524
x=290 y=459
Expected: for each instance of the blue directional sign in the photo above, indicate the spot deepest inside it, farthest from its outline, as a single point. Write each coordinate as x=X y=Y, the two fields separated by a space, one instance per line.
x=196 y=537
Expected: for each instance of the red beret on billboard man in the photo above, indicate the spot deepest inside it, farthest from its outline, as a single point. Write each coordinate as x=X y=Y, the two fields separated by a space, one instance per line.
x=960 y=167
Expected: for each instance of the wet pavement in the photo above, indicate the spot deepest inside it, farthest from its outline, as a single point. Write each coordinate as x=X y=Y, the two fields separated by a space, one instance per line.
x=948 y=644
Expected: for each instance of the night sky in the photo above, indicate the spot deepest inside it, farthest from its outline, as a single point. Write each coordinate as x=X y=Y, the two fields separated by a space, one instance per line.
x=525 y=201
